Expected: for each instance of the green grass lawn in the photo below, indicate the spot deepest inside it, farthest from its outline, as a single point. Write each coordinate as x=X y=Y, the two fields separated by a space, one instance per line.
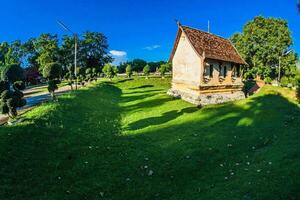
x=129 y=140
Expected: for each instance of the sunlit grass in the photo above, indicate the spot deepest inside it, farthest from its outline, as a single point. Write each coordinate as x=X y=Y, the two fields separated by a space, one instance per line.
x=127 y=139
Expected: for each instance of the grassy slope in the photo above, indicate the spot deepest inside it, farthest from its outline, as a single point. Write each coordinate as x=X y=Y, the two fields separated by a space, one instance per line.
x=129 y=140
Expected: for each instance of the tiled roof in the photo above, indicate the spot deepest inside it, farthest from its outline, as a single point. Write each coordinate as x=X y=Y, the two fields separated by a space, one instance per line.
x=215 y=47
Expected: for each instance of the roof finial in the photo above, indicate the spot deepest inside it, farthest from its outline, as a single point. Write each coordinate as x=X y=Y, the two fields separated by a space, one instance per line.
x=178 y=22
x=208 y=26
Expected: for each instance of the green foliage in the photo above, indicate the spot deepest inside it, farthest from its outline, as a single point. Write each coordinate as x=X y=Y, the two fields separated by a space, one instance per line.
x=248 y=84
x=11 y=53
x=20 y=85
x=94 y=50
x=52 y=71
x=164 y=68
x=52 y=85
x=298 y=92
x=10 y=100
x=110 y=71
x=91 y=74
x=284 y=81
x=138 y=65
x=12 y=73
x=261 y=43
x=47 y=49
x=268 y=80
x=146 y=71
x=128 y=71
x=4 y=85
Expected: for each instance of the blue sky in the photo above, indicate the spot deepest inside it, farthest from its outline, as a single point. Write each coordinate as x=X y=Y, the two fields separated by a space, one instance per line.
x=139 y=29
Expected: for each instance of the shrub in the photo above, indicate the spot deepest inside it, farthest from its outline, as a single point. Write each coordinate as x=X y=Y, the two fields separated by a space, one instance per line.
x=284 y=81
x=88 y=74
x=20 y=85
x=298 y=92
x=146 y=71
x=94 y=74
x=52 y=72
x=268 y=80
x=11 y=99
x=70 y=79
x=4 y=85
x=128 y=71
x=12 y=73
x=163 y=69
x=109 y=71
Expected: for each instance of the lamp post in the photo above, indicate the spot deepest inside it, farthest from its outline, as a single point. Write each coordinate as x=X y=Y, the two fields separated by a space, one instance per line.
x=279 y=64
x=75 y=49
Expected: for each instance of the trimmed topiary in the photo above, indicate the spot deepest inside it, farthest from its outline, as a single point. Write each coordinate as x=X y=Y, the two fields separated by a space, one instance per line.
x=11 y=98
x=52 y=72
x=284 y=81
x=268 y=80
x=12 y=73
x=146 y=71
x=128 y=71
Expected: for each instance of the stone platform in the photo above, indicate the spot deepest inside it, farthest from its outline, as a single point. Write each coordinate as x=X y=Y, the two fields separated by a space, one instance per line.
x=207 y=98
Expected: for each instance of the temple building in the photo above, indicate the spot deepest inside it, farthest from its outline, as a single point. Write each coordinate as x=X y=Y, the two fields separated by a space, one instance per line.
x=206 y=68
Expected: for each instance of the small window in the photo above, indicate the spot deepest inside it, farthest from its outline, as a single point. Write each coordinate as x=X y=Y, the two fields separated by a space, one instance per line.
x=220 y=70
x=211 y=71
x=225 y=71
x=238 y=70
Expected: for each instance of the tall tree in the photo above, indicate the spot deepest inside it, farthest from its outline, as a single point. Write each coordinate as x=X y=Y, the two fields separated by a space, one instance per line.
x=67 y=52
x=262 y=42
x=11 y=53
x=138 y=65
x=30 y=54
x=93 y=50
x=47 y=49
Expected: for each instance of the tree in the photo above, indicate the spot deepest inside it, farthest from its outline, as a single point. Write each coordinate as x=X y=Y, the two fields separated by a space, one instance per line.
x=93 y=50
x=70 y=79
x=261 y=43
x=146 y=71
x=163 y=69
x=91 y=74
x=110 y=71
x=52 y=71
x=138 y=65
x=11 y=98
x=129 y=71
x=11 y=53
x=47 y=49
x=12 y=73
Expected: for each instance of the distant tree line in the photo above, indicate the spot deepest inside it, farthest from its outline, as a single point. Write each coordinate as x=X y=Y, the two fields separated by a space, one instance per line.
x=138 y=65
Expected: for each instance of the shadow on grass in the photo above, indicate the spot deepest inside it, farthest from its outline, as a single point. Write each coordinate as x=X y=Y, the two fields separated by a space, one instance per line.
x=165 y=117
x=141 y=87
x=77 y=151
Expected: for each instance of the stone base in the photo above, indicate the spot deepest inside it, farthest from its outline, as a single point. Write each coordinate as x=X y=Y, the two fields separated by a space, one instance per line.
x=206 y=99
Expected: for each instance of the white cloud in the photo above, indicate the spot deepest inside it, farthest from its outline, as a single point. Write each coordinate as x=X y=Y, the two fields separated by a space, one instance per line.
x=118 y=56
x=117 y=53
x=150 y=48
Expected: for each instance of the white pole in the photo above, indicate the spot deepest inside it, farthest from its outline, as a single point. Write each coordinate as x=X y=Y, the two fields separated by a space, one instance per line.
x=279 y=71
x=75 y=61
